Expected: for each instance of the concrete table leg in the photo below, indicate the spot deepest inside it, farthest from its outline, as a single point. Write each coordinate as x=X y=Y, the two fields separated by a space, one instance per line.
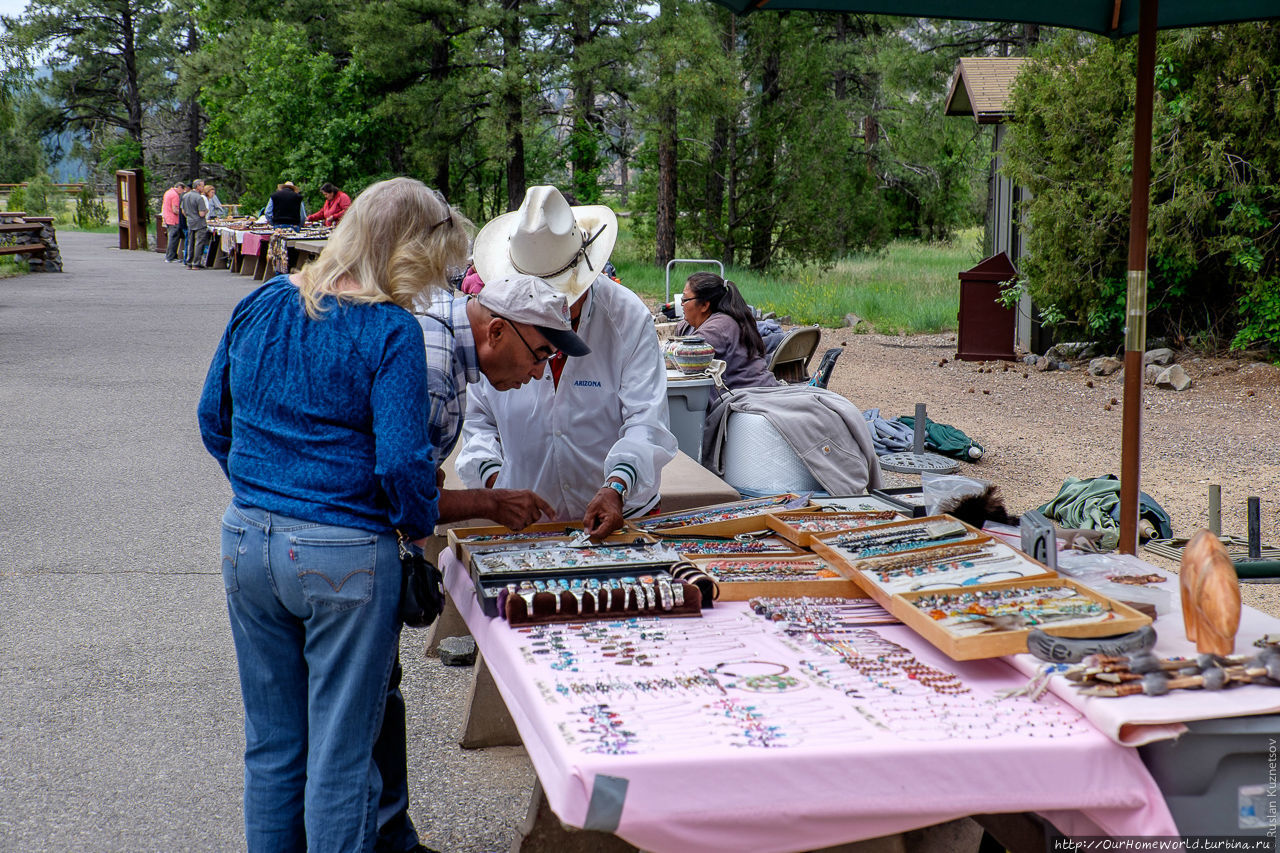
x=487 y=721
x=448 y=624
x=542 y=832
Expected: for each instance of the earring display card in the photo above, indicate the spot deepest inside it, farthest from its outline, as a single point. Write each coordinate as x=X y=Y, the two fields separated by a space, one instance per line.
x=726 y=519
x=744 y=578
x=799 y=526
x=994 y=619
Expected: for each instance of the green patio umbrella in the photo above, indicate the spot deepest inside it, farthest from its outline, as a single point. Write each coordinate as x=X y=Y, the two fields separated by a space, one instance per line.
x=1116 y=19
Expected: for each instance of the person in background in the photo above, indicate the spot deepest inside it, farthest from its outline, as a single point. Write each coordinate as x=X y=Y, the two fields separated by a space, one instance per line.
x=171 y=213
x=195 y=210
x=335 y=205
x=715 y=311
x=285 y=209
x=216 y=208
x=314 y=407
x=592 y=440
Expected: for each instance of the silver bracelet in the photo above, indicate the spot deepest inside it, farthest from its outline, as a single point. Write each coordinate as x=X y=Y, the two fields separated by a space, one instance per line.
x=677 y=591
x=664 y=592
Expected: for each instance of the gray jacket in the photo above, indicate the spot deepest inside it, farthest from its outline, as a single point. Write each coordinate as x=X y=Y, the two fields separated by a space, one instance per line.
x=825 y=430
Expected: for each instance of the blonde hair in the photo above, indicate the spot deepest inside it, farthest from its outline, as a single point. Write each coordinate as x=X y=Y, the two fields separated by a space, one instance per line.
x=397 y=239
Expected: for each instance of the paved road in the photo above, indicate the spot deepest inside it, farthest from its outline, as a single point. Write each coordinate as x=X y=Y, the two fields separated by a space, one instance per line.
x=120 y=718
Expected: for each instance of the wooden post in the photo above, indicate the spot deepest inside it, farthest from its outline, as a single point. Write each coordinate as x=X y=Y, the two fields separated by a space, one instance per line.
x=1135 y=334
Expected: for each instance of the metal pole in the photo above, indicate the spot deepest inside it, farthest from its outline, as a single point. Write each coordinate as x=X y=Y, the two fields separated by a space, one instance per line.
x=1135 y=334
x=1215 y=510
x=917 y=433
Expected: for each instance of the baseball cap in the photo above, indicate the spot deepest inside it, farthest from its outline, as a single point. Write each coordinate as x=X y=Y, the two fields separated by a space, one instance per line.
x=530 y=300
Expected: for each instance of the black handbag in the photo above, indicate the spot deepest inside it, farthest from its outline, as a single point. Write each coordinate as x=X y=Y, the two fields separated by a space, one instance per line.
x=421 y=587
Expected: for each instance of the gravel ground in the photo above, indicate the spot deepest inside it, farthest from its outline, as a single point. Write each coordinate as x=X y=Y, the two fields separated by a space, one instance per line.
x=1040 y=428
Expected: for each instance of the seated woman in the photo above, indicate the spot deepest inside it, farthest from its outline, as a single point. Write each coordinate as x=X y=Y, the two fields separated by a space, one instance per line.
x=715 y=311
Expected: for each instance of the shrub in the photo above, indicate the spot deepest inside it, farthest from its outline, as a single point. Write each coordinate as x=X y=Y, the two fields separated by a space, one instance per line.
x=42 y=198
x=91 y=212
x=18 y=199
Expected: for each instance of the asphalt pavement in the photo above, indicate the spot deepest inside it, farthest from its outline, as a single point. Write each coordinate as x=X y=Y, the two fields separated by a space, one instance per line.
x=121 y=727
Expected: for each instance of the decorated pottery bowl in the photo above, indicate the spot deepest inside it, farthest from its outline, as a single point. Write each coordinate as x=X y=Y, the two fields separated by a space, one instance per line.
x=692 y=354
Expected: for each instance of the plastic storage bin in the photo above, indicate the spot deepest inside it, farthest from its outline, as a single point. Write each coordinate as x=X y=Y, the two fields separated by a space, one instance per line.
x=687 y=403
x=1220 y=777
x=758 y=460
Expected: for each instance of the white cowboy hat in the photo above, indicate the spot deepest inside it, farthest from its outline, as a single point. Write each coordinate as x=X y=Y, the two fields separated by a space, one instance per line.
x=565 y=246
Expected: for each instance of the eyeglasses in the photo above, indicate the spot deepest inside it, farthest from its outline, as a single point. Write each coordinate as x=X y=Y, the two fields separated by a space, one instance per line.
x=684 y=299
x=537 y=359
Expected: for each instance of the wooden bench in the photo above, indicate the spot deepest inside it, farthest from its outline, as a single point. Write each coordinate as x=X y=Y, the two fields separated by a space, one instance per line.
x=33 y=228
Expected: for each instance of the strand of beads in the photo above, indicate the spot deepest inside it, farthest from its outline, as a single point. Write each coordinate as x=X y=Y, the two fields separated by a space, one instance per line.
x=739 y=571
x=1033 y=605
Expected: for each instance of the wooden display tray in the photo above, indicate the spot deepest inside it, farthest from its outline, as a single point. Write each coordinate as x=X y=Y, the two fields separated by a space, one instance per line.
x=731 y=527
x=793 y=549
x=883 y=594
x=1000 y=643
x=747 y=590
x=780 y=521
x=845 y=566
x=555 y=530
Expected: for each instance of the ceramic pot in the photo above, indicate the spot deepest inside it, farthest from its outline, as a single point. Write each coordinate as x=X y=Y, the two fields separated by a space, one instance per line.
x=667 y=348
x=692 y=354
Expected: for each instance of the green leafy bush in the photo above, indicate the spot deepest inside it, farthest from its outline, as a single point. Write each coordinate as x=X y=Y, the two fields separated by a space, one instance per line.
x=42 y=198
x=90 y=210
x=18 y=198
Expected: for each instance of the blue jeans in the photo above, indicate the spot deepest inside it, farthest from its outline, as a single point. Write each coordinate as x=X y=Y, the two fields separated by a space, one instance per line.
x=314 y=616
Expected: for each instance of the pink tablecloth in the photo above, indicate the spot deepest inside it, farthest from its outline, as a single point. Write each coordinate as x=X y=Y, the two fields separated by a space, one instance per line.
x=732 y=735
x=254 y=244
x=1135 y=720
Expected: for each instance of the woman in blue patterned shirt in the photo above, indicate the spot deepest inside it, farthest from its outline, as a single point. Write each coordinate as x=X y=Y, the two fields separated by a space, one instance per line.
x=315 y=407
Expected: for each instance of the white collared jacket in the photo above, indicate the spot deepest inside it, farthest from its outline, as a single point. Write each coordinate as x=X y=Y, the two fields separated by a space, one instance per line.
x=608 y=417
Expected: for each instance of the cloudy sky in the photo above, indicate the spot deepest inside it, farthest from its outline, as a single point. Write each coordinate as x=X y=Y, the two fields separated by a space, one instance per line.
x=12 y=7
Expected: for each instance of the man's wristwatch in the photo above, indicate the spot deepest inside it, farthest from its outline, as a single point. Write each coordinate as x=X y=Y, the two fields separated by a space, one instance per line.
x=617 y=487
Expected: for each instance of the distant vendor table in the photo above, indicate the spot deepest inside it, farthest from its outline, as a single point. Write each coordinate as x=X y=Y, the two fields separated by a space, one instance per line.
x=739 y=736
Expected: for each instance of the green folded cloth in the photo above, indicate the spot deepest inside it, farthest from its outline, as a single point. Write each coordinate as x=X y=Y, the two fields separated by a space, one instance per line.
x=1094 y=504
x=945 y=439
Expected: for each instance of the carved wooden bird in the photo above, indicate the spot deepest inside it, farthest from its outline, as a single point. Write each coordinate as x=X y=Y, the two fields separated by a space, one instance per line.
x=1210 y=595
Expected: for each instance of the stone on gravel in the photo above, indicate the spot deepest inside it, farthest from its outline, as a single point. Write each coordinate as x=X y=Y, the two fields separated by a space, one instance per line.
x=853 y=321
x=1104 y=366
x=1043 y=364
x=1163 y=356
x=1153 y=372
x=1031 y=359
x=458 y=651
x=1174 y=377
x=1073 y=349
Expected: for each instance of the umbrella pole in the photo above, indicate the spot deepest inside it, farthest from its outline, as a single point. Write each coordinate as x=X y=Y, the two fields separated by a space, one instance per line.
x=1135 y=336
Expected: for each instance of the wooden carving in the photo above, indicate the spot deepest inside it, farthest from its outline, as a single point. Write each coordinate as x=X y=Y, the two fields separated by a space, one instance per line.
x=1210 y=595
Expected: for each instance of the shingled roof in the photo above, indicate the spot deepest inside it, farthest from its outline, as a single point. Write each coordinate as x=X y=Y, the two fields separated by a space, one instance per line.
x=980 y=88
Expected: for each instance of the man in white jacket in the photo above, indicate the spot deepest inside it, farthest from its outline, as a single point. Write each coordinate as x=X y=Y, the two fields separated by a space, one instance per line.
x=592 y=437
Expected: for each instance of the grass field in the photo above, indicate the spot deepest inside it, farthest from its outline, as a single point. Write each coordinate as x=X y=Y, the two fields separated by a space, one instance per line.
x=908 y=287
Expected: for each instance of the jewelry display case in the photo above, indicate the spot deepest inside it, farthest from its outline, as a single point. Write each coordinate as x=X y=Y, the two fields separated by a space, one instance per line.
x=547 y=531
x=727 y=519
x=800 y=525
x=993 y=620
x=745 y=578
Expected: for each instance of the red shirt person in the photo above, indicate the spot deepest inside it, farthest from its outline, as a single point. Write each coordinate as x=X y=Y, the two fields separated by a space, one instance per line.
x=335 y=205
